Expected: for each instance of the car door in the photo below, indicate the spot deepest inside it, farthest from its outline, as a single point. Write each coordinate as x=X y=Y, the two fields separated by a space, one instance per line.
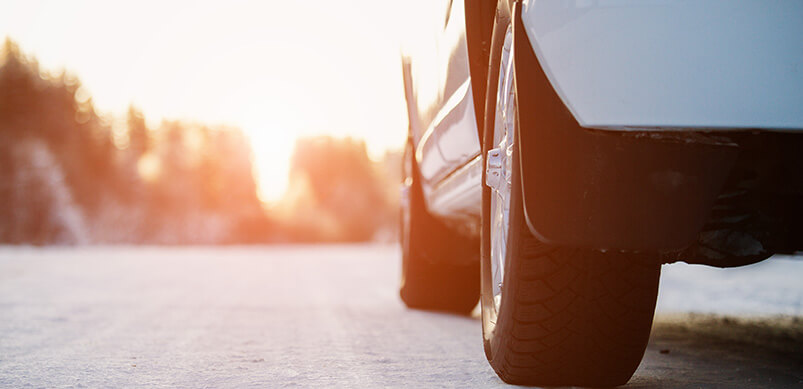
x=449 y=140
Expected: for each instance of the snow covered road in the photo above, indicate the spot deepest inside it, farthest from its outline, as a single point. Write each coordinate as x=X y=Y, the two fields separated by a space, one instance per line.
x=325 y=316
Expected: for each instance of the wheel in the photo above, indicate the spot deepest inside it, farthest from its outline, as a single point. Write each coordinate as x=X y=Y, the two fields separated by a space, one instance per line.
x=552 y=316
x=440 y=268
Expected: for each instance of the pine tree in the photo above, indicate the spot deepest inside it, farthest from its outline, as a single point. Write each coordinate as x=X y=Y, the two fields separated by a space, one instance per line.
x=139 y=140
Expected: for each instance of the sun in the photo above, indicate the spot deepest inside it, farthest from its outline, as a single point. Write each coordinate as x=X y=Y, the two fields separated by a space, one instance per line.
x=271 y=162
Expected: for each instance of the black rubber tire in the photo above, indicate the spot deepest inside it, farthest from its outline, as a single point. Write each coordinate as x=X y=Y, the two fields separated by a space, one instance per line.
x=440 y=268
x=568 y=317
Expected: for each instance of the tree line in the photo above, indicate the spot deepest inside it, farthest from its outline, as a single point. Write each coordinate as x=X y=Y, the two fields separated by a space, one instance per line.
x=71 y=175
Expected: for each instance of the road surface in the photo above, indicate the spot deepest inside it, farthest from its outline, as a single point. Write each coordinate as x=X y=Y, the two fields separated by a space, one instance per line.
x=326 y=316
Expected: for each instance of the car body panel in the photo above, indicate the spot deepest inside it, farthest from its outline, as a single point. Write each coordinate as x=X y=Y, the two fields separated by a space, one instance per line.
x=658 y=64
x=442 y=120
x=449 y=141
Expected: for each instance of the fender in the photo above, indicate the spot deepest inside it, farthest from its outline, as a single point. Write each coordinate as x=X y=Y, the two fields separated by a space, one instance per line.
x=603 y=189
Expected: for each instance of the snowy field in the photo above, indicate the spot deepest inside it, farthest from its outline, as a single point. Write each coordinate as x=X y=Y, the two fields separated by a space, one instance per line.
x=329 y=316
x=772 y=287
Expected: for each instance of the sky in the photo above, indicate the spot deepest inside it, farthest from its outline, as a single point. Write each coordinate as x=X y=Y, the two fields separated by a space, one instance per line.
x=276 y=69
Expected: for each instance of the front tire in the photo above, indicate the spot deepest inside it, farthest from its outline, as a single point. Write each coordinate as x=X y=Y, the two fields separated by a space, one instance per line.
x=552 y=316
x=440 y=268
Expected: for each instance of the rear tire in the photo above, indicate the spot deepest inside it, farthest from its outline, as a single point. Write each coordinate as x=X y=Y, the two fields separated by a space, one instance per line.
x=440 y=268
x=569 y=316
x=554 y=316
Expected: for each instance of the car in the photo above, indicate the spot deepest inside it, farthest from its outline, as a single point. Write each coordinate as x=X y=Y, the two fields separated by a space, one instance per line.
x=560 y=152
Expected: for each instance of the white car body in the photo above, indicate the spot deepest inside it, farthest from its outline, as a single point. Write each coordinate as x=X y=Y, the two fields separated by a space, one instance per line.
x=664 y=64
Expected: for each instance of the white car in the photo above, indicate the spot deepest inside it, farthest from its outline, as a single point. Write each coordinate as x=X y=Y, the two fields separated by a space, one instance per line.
x=560 y=151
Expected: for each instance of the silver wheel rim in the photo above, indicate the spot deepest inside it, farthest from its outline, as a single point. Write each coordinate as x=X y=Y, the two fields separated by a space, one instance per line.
x=499 y=168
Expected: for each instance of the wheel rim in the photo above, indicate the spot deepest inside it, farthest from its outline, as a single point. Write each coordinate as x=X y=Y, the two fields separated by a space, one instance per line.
x=499 y=169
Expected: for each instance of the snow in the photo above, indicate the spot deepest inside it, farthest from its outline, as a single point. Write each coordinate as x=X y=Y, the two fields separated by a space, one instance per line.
x=772 y=287
x=280 y=316
x=209 y=317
